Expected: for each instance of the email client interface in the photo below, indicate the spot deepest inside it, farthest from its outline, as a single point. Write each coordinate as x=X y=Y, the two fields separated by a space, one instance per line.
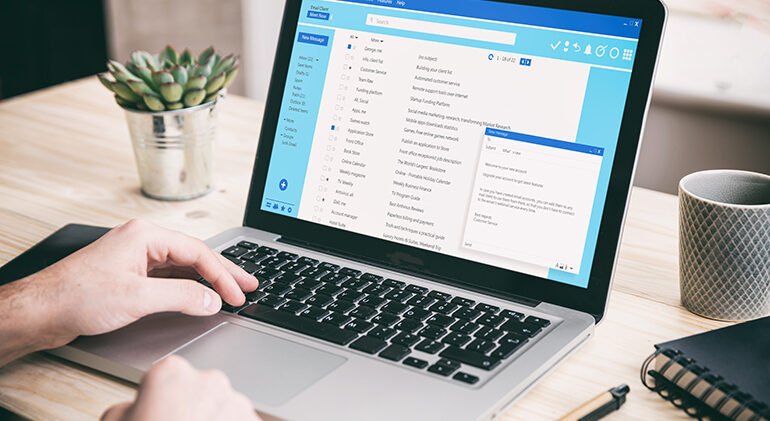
x=476 y=129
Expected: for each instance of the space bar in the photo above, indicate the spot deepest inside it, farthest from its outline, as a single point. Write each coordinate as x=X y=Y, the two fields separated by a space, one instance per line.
x=299 y=324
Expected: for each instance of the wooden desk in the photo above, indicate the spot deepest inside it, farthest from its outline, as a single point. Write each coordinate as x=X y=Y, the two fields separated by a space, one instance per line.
x=65 y=156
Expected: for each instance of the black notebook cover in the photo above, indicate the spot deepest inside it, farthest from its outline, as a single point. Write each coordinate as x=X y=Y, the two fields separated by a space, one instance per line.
x=739 y=353
x=55 y=247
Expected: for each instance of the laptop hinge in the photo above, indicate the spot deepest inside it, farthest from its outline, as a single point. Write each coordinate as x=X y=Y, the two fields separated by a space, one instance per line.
x=407 y=271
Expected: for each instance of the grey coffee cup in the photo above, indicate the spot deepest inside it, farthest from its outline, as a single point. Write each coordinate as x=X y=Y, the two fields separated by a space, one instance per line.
x=724 y=244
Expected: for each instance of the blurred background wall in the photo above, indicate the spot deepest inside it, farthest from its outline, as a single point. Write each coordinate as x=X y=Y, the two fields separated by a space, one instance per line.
x=710 y=107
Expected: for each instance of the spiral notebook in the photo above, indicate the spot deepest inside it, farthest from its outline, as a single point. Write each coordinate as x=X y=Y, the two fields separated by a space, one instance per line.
x=717 y=375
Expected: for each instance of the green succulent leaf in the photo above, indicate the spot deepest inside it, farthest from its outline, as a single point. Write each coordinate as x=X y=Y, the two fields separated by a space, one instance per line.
x=124 y=103
x=138 y=59
x=154 y=103
x=169 y=53
x=125 y=92
x=171 y=92
x=105 y=80
x=120 y=72
x=197 y=82
x=215 y=84
x=224 y=65
x=194 y=97
x=230 y=76
x=145 y=74
x=161 y=77
x=175 y=106
x=186 y=58
x=139 y=87
x=205 y=55
x=180 y=75
x=211 y=97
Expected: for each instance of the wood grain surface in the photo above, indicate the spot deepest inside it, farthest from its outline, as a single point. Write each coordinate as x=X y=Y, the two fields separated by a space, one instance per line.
x=65 y=156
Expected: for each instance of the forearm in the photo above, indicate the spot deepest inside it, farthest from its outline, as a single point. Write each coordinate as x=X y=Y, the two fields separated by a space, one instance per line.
x=26 y=318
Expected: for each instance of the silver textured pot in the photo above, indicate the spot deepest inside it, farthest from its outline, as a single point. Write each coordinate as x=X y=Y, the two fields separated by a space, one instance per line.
x=174 y=150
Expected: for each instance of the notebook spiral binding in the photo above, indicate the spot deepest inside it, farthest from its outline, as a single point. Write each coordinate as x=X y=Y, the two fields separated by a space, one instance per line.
x=684 y=398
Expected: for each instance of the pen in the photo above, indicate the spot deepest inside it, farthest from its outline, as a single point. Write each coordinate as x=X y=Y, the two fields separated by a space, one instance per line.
x=600 y=406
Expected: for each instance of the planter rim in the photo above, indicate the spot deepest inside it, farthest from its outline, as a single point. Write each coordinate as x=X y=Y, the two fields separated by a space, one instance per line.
x=179 y=111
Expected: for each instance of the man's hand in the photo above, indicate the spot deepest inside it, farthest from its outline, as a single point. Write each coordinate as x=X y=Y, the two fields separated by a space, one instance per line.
x=173 y=390
x=132 y=271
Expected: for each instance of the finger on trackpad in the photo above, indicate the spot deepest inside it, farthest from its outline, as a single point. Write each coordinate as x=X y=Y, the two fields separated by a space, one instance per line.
x=265 y=368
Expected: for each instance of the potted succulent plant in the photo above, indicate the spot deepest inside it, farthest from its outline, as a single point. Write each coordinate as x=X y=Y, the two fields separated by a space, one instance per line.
x=170 y=103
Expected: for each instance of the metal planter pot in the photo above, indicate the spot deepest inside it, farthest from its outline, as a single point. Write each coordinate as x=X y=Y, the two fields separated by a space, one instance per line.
x=174 y=150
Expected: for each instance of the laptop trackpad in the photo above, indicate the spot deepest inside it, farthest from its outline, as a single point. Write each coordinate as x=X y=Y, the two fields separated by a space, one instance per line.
x=265 y=368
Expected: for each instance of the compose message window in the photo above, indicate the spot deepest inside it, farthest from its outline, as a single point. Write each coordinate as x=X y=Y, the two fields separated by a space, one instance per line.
x=453 y=131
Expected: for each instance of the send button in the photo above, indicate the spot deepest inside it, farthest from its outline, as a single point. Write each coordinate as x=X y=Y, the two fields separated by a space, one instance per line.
x=313 y=39
x=317 y=15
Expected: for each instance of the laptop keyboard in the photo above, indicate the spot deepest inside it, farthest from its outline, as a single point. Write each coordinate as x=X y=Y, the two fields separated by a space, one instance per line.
x=374 y=315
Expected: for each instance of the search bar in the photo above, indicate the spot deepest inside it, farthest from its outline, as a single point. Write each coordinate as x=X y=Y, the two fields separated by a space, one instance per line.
x=441 y=29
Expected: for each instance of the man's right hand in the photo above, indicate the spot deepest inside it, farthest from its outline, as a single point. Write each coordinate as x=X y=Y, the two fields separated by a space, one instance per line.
x=174 y=390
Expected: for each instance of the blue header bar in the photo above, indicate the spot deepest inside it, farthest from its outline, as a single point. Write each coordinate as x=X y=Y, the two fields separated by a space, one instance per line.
x=521 y=137
x=516 y=13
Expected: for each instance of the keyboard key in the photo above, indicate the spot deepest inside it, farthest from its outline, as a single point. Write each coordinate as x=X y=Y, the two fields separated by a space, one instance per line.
x=372 y=278
x=288 y=279
x=336 y=319
x=307 y=261
x=302 y=325
x=233 y=309
x=273 y=262
x=358 y=325
x=449 y=363
x=250 y=267
x=415 y=362
x=329 y=289
x=315 y=313
x=489 y=334
x=394 y=283
x=382 y=332
x=481 y=346
x=406 y=339
x=248 y=245
x=432 y=332
x=395 y=352
x=467 y=313
x=440 y=320
x=457 y=339
x=504 y=351
x=465 y=378
x=353 y=273
x=355 y=284
x=331 y=267
x=351 y=295
x=293 y=307
x=372 y=301
x=417 y=314
x=277 y=289
x=491 y=320
x=537 y=321
x=267 y=274
x=255 y=296
x=267 y=250
x=441 y=369
x=429 y=346
x=309 y=284
x=377 y=290
x=441 y=296
x=294 y=267
x=510 y=314
x=416 y=289
x=385 y=319
x=320 y=300
x=399 y=295
x=363 y=312
x=235 y=260
x=395 y=308
x=286 y=255
x=464 y=326
x=513 y=339
x=471 y=358
x=312 y=272
x=487 y=308
x=408 y=325
x=235 y=251
x=421 y=301
x=369 y=344
x=444 y=307
x=334 y=278
x=465 y=302
x=272 y=301
x=340 y=306
x=299 y=294
x=524 y=329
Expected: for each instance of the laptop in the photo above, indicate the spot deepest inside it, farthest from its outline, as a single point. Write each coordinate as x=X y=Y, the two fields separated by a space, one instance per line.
x=435 y=208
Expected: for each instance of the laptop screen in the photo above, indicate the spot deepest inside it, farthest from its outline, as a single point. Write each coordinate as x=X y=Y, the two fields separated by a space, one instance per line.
x=477 y=129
